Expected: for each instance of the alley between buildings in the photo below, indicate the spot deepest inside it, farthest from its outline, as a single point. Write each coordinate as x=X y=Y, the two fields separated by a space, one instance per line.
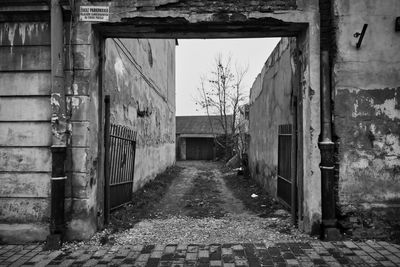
x=205 y=203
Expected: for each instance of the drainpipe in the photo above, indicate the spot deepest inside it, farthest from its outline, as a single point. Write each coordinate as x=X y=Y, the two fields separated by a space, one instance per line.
x=59 y=128
x=326 y=146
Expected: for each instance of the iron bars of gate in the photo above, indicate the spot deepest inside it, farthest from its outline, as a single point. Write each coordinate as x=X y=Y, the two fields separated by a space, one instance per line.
x=122 y=165
x=284 y=190
x=120 y=151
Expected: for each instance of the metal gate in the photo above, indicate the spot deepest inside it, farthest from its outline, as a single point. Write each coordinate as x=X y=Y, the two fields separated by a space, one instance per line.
x=284 y=190
x=119 y=164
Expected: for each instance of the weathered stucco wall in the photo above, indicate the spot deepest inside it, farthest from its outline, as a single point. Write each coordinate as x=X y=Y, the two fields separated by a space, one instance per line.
x=84 y=166
x=140 y=78
x=270 y=106
x=367 y=103
x=25 y=131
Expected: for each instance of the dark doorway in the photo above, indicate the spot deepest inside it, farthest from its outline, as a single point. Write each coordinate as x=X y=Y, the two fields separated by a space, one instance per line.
x=199 y=148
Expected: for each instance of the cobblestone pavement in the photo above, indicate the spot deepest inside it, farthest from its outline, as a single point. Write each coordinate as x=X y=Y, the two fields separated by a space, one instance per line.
x=281 y=254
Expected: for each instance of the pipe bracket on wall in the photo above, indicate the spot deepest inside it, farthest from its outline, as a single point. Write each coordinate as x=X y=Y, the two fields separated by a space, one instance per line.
x=360 y=36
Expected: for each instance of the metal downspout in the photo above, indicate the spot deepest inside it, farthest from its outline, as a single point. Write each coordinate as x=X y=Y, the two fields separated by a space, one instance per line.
x=327 y=147
x=59 y=128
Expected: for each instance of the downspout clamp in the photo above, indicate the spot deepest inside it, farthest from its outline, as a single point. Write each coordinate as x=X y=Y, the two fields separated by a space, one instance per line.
x=59 y=128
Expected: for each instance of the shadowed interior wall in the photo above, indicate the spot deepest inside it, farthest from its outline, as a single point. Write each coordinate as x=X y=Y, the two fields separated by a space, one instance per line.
x=140 y=79
x=270 y=106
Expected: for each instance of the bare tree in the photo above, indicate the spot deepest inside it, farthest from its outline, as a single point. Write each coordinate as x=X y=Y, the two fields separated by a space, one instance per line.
x=222 y=93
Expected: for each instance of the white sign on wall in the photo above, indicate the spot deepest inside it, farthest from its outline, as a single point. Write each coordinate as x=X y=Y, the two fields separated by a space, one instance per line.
x=94 y=13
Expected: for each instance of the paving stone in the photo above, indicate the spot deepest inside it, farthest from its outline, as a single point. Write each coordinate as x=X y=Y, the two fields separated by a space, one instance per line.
x=393 y=249
x=288 y=256
x=143 y=257
x=237 y=247
x=181 y=247
x=350 y=245
x=190 y=263
x=14 y=257
x=273 y=251
x=259 y=246
x=159 y=248
x=122 y=253
x=192 y=249
x=385 y=252
x=215 y=263
x=147 y=249
x=367 y=248
x=372 y=243
x=68 y=262
x=226 y=251
x=133 y=255
x=394 y=259
x=387 y=263
x=84 y=258
x=19 y=262
x=129 y=261
x=156 y=254
x=90 y=262
x=140 y=264
x=377 y=256
x=169 y=249
x=347 y=251
x=239 y=255
x=328 y=259
x=228 y=258
x=328 y=245
x=241 y=263
x=292 y=262
x=204 y=254
x=334 y=264
x=164 y=264
x=138 y=248
x=307 y=264
x=191 y=256
x=368 y=259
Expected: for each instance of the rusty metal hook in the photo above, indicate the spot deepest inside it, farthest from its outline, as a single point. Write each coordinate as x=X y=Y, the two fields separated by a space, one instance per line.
x=360 y=35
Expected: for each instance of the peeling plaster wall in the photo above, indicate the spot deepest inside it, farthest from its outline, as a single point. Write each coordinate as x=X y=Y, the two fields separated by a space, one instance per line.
x=25 y=130
x=367 y=103
x=270 y=106
x=140 y=78
x=83 y=207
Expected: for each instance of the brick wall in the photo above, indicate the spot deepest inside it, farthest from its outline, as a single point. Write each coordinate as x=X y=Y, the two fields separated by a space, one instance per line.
x=238 y=6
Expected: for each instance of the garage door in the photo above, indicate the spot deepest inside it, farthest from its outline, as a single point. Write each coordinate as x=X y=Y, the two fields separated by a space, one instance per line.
x=199 y=148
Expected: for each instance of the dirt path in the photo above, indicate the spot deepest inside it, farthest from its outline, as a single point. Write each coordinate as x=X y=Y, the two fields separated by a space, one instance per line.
x=203 y=204
x=199 y=191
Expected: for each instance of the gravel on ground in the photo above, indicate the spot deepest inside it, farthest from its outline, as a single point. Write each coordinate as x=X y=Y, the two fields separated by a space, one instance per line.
x=201 y=203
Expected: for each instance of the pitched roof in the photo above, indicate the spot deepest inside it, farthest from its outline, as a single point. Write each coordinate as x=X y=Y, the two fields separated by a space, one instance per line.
x=200 y=125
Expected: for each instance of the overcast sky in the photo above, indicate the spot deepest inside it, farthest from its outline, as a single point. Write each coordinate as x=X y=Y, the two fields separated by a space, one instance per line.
x=195 y=58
